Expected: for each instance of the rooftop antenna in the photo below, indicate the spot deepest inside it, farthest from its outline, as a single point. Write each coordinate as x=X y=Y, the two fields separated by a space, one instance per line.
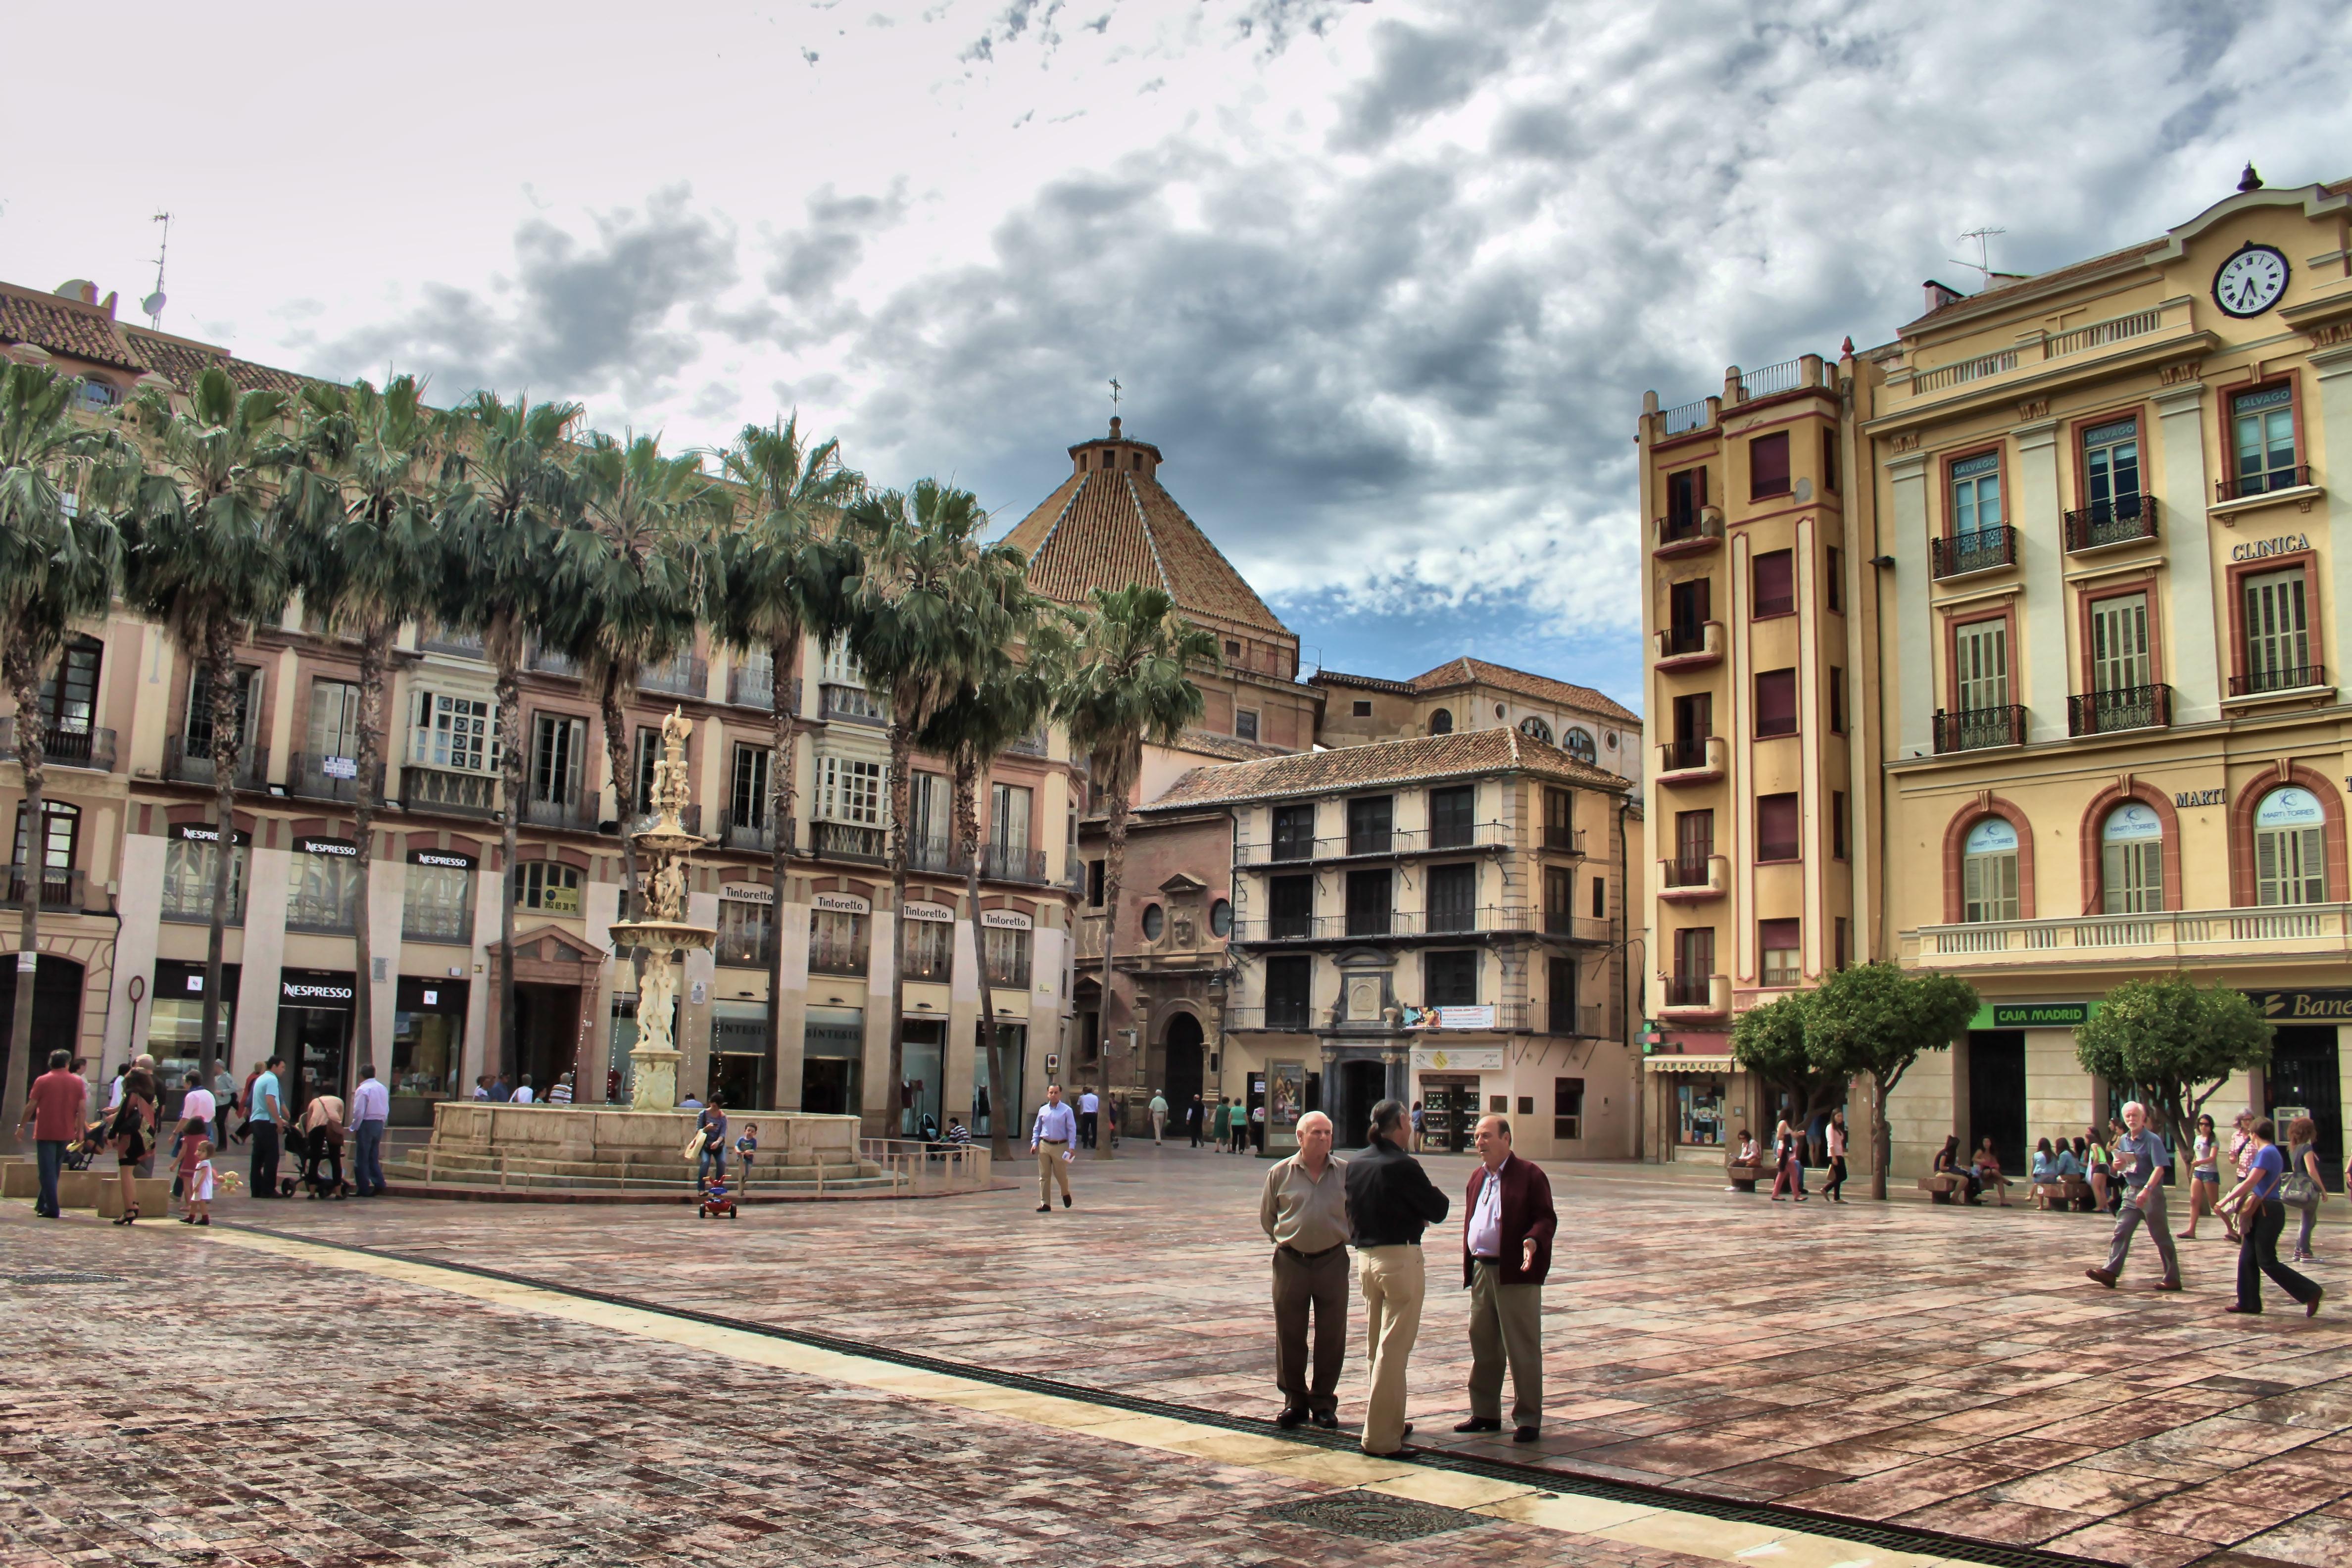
x=154 y=303
x=1983 y=263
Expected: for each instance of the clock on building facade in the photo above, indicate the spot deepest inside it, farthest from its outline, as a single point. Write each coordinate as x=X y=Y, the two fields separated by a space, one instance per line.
x=2251 y=281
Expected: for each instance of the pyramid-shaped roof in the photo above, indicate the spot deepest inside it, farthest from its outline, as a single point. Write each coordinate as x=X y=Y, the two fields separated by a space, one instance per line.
x=1111 y=523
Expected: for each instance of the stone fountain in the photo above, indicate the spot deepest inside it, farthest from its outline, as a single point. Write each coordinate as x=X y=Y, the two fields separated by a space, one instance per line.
x=665 y=931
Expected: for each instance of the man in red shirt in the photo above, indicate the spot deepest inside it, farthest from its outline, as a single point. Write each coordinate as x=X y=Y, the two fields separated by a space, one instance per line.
x=54 y=1111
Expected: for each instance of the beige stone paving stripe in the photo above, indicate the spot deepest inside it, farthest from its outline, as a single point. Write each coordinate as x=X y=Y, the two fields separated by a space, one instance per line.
x=1664 y=1528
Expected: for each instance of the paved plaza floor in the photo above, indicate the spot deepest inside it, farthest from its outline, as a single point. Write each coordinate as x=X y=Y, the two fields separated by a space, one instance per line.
x=1939 y=1370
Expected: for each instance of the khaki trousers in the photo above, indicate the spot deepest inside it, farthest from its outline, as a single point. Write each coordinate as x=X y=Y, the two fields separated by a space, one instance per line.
x=1504 y=1321
x=1051 y=1168
x=1392 y=1284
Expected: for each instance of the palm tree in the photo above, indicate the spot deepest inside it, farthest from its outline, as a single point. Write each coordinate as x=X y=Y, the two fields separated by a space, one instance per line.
x=368 y=558
x=931 y=601
x=59 y=559
x=205 y=555
x=497 y=522
x=778 y=578
x=989 y=713
x=1121 y=682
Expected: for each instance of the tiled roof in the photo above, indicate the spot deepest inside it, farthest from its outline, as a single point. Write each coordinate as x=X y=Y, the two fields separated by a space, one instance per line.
x=86 y=333
x=1108 y=529
x=1456 y=672
x=1361 y=682
x=1464 y=752
x=1231 y=747
x=181 y=360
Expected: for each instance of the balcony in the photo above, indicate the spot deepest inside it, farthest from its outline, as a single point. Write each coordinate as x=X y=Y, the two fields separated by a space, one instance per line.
x=2280 y=680
x=437 y=922
x=1979 y=729
x=1294 y=1015
x=1375 y=925
x=61 y=888
x=63 y=746
x=461 y=645
x=1570 y=927
x=1383 y=844
x=750 y=685
x=2317 y=935
x=1563 y=841
x=546 y=661
x=1693 y=759
x=318 y=917
x=1685 y=997
x=313 y=777
x=2124 y=708
x=184 y=763
x=448 y=791
x=2126 y=519
x=577 y=815
x=846 y=841
x=685 y=676
x=849 y=704
x=1690 y=647
x=2263 y=484
x=757 y=838
x=1986 y=549
x=1011 y=863
x=190 y=901
x=1686 y=532
x=1693 y=880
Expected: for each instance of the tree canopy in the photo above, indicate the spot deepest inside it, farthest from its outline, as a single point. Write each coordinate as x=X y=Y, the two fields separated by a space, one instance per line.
x=2161 y=1039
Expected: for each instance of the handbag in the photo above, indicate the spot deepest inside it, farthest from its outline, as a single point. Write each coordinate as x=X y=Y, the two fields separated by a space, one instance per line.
x=693 y=1145
x=2299 y=1191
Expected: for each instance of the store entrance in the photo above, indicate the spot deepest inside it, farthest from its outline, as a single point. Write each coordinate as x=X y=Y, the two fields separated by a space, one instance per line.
x=1184 y=1057
x=1449 y=1113
x=547 y=1034
x=2303 y=1075
x=1997 y=1094
x=738 y=1080
x=1360 y=1086
x=314 y=1032
x=57 y=1014
x=987 y=1100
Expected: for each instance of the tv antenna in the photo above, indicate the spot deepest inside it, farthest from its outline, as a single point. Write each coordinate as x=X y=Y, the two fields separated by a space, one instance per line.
x=154 y=303
x=1983 y=263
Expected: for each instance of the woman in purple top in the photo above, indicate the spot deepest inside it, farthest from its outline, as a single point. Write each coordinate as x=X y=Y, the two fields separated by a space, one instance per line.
x=2263 y=1217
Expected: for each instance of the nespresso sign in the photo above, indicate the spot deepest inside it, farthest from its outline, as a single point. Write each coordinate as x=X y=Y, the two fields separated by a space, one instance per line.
x=449 y=859
x=340 y=848
x=205 y=833
x=313 y=991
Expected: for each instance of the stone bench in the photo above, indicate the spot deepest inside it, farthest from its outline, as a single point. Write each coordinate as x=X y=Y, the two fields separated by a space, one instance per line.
x=1745 y=1177
x=1944 y=1187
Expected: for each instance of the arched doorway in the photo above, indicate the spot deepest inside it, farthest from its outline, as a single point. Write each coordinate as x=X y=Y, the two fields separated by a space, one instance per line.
x=57 y=1011
x=1185 y=1060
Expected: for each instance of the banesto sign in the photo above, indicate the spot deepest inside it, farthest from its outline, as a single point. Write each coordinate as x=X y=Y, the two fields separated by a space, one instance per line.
x=2331 y=1004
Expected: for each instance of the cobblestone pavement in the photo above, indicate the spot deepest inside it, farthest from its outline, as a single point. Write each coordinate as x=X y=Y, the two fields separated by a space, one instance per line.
x=1945 y=1369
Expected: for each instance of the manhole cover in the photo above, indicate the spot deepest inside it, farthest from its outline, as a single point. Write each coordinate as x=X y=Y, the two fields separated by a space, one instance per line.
x=1373 y=1516
x=63 y=1277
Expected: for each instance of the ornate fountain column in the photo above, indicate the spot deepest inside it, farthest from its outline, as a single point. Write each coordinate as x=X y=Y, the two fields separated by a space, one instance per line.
x=664 y=930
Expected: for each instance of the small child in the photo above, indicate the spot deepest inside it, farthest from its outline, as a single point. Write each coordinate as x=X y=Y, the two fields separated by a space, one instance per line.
x=745 y=1145
x=199 y=1173
x=191 y=1149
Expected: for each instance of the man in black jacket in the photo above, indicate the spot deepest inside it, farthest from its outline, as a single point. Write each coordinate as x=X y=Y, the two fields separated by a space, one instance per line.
x=1389 y=1202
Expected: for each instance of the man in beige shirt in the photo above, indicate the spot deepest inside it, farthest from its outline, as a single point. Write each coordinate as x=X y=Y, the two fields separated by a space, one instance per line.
x=1304 y=1214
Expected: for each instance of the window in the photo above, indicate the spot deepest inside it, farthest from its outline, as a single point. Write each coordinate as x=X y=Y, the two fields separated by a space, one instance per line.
x=1451 y=813
x=1686 y=493
x=97 y=393
x=1976 y=500
x=1767 y=466
x=1289 y=989
x=1369 y=902
x=1837 y=700
x=1776 y=942
x=743 y=929
x=1694 y=846
x=837 y=943
x=1290 y=907
x=1568 y=1107
x=2119 y=655
x=1833 y=579
x=322 y=887
x=1221 y=917
x=1988 y=872
x=1535 y=729
x=1006 y=954
x=1095 y=884
x=849 y=790
x=1008 y=817
x=68 y=695
x=1369 y=821
x=748 y=793
x=931 y=950
x=1775 y=827
x=2131 y=860
x=1980 y=655
x=188 y=869
x=1829 y=459
x=1560 y=900
x=1776 y=702
x=1294 y=832
x=2111 y=470
x=334 y=718
x=199 y=730
x=455 y=732
x=1600 y=897
x=434 y=903
x=1694 y=963
x=559 y=751
x=1578 y=742
x=1694 y=723
x=60 y=832
x=547 y=887
x=1450 y=979
x=1361 y=708
x=1233 y=648
x=1689 y=606
x=841 y=666
x=2263 y=424
x=1244 y=724
x=1837 y=824
x=649 y=755
x=1559 y=819
x=2277 y=634
x=1155 y=921
x=2290 y=849
x=1559 y=995
x=1775 y=575
x=1441 y=720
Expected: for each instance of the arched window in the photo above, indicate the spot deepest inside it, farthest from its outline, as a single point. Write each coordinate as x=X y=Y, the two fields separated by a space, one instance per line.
x=1155 y=921
x=2131 y=860
x=1988 y=872
x=2290 y=849
x=1221 y=917
x=1578 y=744
x=1536 y=729
x=1441 y=721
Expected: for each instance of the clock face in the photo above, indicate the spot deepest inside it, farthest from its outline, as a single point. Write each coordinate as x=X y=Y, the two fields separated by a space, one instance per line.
x=2251 y=281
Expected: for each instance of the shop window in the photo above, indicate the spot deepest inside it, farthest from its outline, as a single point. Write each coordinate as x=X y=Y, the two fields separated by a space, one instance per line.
x=743 y=933
x=2131 y=860
x=1699 y=1111
x=1568 y=1107
x=1006 y=954
x=1775 y=827
x=321 y=886
x=436 y=903
x=2290 y=849
x=547 y=887
x=837 y=943
x=1989 y=876
x=1776 y=702
x=1775 y=578
x=931 y=950
x=189 y=866
x=1767 y=466
x=1778 y=953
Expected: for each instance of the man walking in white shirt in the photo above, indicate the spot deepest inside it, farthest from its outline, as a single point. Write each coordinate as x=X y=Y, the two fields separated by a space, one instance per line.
x=370 y=1109
x=1050 y=1138
x=1089 y=1114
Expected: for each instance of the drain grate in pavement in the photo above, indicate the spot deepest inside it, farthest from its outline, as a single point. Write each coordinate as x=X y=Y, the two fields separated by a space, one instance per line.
x=62 y=1276
x=1373 y=1516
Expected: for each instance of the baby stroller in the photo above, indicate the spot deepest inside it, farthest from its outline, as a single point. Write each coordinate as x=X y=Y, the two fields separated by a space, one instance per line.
x=717 y=1199
x=78 y=1154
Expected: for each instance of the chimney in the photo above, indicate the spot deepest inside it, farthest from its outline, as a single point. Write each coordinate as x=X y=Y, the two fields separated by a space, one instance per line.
x=1940 y=295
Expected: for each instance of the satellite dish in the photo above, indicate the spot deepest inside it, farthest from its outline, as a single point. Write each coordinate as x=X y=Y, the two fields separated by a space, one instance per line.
x=153 y=304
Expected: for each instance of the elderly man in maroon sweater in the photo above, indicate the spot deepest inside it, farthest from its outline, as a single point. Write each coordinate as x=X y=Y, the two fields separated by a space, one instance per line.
x=1505 y=1254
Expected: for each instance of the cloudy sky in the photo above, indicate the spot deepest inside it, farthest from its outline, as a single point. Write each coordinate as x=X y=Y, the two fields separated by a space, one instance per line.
x=1384 y=281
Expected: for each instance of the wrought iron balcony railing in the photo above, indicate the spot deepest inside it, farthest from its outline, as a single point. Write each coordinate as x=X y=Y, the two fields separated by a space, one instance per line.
x=686 y=676
x=184 y=763
x=314 y=777
x=734 y=832
x=2118 y=521
x=578 y=812
x=1981 y=551
x=1974 y=729
x=2277 y=678
x=2262 y=482
x=62 y=888
x=750 y=685
x=64 y=745
x=2123 y=708
x=846 y=841
x=851 y=704
x=449 y=791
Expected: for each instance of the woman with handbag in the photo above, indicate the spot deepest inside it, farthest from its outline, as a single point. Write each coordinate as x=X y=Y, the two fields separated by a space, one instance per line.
x=2305 y=1189
x=132 y=1135
x=2264 y=1215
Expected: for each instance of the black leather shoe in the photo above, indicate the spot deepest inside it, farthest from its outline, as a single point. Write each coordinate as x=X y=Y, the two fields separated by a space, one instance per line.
x=1526 y=1435
x=2311 y=1308
x=1328 y=1420
x=1290 y=1420
x=1065 y=1200
x=1480 y=1423
x=1044 y=1208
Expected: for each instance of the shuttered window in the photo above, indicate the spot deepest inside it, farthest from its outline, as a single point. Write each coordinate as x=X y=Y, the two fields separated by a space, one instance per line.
x=1767 y=466
x=1776 y=584
x=1776 y=702
x=2278 y=637
x=2131 y=861
x=2119 y=657
x=1775 y=827
x=2290 y=849
x=1988 y=872
x=1980 y=651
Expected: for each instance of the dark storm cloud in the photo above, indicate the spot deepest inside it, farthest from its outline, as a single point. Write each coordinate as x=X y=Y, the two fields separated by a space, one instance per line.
x=813 y=260
x=1417 y=71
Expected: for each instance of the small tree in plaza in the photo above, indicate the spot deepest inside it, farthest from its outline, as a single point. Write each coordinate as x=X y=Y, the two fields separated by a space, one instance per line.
x=2162 y=1040
x=1773 y=1042
x=1875 y=1020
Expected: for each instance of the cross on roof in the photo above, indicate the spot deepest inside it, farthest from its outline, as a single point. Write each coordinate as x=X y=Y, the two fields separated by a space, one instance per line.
x=1115 y=389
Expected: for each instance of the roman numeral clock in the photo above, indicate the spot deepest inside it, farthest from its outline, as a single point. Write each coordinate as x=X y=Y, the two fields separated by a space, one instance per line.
x=2251 y=281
